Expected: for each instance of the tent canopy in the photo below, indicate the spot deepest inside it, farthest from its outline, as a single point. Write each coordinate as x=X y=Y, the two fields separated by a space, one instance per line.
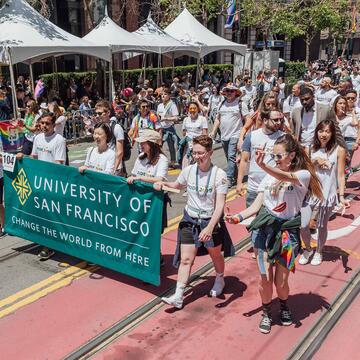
x=165 y=43
x=189 y=31
x=27 y=35
x=119 y=40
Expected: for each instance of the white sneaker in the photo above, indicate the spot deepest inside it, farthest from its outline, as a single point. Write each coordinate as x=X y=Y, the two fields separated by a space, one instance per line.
x=317 y=259
x=174 y=301
x=184 y=194
x=305 y=256
x=218 y=287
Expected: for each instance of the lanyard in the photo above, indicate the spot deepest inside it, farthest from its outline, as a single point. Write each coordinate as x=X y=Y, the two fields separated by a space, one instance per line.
x=207 y=181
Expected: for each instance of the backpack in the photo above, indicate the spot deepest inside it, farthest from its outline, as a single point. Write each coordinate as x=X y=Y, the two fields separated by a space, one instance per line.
x=127 y=142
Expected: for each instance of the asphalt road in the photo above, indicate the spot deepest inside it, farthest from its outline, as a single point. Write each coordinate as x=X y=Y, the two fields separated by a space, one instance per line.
x=19 y=264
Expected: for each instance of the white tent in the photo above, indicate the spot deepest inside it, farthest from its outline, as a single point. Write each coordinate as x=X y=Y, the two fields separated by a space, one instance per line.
x=189 y=31
x=119 y=39
x=164 y=42
x=28 y=35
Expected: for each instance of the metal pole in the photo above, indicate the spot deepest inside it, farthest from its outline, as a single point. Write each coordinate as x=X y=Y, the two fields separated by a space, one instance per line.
x=111 y=80
x=32 y=79
x=173 y=66
x=122 y=72
x=197 y=72
x=13 y=90
x=56 y=75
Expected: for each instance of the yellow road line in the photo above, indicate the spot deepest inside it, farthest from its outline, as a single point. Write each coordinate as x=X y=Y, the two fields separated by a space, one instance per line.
x=58 y=285
x=174 y=172
x=59 y=276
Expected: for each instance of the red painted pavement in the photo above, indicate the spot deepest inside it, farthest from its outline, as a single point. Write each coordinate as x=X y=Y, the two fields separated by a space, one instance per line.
x=55 y=325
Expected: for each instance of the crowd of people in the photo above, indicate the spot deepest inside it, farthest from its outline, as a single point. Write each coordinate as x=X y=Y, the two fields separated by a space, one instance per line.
x=288 y=154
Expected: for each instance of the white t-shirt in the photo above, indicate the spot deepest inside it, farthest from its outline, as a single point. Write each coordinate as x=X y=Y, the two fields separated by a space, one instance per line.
x=347 y=129
x=60 y=125
x=230 y=120
x=49 y=148
x=269 y=83
x=118 y=134
x=325 y=96
x=287 y=201
x=254 y=140
x=144 y=168
x=308 y=125
x=355 y=80
x=201 y=199
x=195 y=127
x=290 y=103
x=168 y=110
x=101 y=162
x=248 y=94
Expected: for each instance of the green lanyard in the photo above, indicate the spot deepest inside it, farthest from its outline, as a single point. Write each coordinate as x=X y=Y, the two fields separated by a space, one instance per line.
x=207 y=181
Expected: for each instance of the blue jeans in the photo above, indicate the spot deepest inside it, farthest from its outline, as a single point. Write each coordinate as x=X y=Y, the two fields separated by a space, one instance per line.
x=229 y=147
x=171 y=137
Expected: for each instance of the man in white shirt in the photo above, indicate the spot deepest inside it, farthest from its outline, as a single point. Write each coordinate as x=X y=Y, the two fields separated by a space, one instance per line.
x=229 y=119
x=51 y=147
x=168 y=113
x=355 y=78
x=325 y=94
x=248 y=93
x=292 y=101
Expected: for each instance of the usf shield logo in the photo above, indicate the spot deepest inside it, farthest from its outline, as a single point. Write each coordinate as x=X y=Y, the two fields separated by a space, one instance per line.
x=22 y=186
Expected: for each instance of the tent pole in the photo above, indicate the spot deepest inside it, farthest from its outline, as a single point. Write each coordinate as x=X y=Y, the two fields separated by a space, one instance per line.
x=197 y=72
x=173 y=66
x=111 y=80
x=56 y=75
x=158 y=71
x=32 y=79
x=145 y=55
x=122 y=72
x=13 y=91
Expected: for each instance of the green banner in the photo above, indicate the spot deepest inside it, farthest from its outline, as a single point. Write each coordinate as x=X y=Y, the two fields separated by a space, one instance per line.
x=92 y=216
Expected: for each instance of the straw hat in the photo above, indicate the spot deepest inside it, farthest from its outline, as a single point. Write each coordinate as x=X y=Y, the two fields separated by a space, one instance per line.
x=231 y=87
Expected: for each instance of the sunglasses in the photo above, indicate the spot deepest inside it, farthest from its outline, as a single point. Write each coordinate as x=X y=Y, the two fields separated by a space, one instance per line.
x=99 y=113
x=277 y=120
x=350 y=98
x=278 y=156
x=144 y=106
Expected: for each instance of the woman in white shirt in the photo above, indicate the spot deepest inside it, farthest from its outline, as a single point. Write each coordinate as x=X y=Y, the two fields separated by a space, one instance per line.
x=348 y=124
x=101 y=157
x=329 y=161
x=201 y=230
x=275 y=230
x=193 y=125
x=151 y=165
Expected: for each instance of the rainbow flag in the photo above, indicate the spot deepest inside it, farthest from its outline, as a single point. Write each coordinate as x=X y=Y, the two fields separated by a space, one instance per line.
x=39 y=89
x=231 y=14
x=287 y=256
x=12 y=137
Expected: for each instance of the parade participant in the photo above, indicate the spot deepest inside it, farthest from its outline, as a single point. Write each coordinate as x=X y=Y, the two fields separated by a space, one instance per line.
x=30 y=125
x=193 y=126
x=102 y=114
x=202 y=227
x=328 y=158
x=100 y=158
x=215 y=100
x=292 y=101
x=348 y=123
x=60 y=118
x=264 y=139
x=268 y=102
x=305 y=118
x=151 y=165
x=229 y=119
x=51 y=147
x=275 y=230
x=248 y=93
x=325 y=94
x=169 y=113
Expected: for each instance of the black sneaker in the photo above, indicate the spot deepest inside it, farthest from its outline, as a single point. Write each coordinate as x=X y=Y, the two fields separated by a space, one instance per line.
x=46 y=253
x=285 y=317
x=2 y=233
x=265 y=324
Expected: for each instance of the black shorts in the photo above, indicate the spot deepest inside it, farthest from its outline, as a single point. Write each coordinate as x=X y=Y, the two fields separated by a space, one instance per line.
x=1 y=190
x=188 y=239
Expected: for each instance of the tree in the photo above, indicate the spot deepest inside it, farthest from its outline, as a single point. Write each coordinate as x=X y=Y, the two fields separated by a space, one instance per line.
x=295 y=18
x=43 y=6
x=206 y=10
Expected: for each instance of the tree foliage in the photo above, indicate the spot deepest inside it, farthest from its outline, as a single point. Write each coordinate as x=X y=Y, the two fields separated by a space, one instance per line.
x=43 y=6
